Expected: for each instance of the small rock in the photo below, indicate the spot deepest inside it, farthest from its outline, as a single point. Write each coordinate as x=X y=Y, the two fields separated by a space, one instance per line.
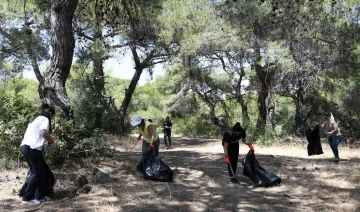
x=114 y=194
x=304 y=168
x=316 y=168
x=99 y=176
x=17 y=177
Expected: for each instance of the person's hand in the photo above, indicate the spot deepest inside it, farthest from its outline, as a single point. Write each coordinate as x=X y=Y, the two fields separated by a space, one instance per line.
x=151 y=145
x=139 y=137
x=327 y=133
x=227 y=159
x=251 y=147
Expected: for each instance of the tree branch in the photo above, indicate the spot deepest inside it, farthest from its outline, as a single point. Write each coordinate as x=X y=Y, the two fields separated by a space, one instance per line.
x=80 y=33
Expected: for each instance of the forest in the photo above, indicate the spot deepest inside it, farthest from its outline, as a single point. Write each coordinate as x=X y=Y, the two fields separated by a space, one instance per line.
x=275 y=66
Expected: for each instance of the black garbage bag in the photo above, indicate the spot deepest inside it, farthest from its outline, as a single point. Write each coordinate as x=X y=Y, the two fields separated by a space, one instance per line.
x=314 y=143
x=155 y=169
x=46 y=184
x=258 y=174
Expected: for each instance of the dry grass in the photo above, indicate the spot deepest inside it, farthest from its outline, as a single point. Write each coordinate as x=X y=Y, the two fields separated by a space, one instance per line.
x=201 y=182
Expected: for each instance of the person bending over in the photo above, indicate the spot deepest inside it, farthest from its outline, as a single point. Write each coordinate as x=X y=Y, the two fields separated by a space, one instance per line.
x=36 y=135
x=230 y=143
x=148 y=134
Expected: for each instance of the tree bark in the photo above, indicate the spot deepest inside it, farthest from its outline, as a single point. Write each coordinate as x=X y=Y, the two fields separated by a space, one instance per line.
x=299 y=116
x=53 y=90
x=266 y=105
x=139 y=67
x=241 y=101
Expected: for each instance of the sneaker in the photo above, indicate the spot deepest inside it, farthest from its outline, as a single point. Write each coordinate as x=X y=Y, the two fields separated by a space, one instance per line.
x=33 y=202
x=336 y=160
x=234 y=180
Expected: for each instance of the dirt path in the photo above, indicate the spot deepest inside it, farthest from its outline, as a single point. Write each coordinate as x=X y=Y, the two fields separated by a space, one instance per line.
x=201 y=182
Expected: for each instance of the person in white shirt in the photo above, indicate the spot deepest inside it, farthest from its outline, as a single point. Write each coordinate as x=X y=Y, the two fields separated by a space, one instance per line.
x=37 y=133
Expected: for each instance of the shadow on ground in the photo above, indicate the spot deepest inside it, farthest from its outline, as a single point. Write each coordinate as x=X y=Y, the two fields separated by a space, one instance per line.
x=201 y=184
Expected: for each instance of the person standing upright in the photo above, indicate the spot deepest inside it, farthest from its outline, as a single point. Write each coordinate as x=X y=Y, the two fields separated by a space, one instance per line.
x=167 y=132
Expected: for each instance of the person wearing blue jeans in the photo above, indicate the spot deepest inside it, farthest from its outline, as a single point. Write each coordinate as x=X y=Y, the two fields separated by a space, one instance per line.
x=332 y=130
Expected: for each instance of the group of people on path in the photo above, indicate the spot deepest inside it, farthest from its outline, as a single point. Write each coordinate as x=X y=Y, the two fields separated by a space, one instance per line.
x=38 y=133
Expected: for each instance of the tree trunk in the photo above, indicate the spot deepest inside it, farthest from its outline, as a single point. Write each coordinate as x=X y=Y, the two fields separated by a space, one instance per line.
x=53 y=90
x=139 y=67
x=299 y=117
x=270 y=112
x=263 y=92
x=265 y=102
x=241 y=101
x=127 y=99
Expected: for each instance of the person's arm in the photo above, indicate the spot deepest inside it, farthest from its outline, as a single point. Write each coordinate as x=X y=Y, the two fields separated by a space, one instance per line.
x=170 y=125
x=45 y=134
x=227 y=157
x=139 y=136
x=226 y=147
x=323 y=126
x=245 y=141
x=248 y=143
x=152 y=133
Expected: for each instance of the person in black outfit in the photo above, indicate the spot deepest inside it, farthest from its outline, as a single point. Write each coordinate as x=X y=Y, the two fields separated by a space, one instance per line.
x=167 y=131
x=230 y=143
x=36 y=135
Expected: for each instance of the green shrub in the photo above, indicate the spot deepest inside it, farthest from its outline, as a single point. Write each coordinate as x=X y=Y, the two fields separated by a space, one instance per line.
x=194 y=125
x=74 y=144
x=16 y=113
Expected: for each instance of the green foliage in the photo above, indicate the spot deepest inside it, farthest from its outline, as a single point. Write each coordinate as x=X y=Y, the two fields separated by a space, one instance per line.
x=194 y=125
x=90 y=113
x=75 y=144
x=13 y=123
x=285 y=116
x=27 y=88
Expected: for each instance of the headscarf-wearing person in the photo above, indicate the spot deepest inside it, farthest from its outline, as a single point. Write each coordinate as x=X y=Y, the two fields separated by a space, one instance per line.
x=230 y=142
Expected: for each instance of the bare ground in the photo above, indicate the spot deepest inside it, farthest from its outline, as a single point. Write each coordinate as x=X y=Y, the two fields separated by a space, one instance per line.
x=201 y=182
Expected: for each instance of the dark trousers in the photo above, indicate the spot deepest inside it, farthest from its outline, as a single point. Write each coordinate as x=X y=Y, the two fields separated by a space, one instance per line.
x=144 y=149
x=334 y=143
x=233 y=152
x=167 y=137
x=145 y=146
x=36 y=162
